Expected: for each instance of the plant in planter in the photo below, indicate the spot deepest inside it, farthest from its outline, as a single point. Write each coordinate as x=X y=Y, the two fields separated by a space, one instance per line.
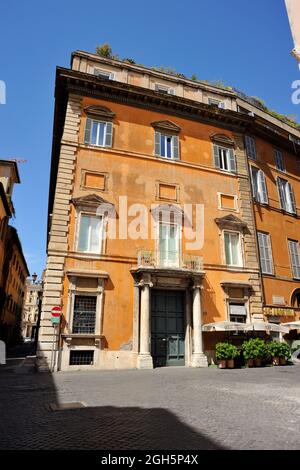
x=226 y=353
x=254 y=350
x=274 y=349
x=284 y=353
x=232 y=353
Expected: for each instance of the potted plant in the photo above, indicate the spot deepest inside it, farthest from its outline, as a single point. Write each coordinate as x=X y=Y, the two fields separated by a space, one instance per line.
x=274 y=349
x=232 y=353
x=221 y=354
x=284 y=353
x=226 y=353
x=253 y=351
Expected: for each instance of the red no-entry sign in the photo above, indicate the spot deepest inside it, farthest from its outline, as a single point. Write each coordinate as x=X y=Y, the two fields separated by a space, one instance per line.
x=56 y=314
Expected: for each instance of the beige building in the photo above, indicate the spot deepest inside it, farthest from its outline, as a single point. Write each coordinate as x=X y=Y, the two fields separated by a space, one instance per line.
x=34 y=290
x=293 y=9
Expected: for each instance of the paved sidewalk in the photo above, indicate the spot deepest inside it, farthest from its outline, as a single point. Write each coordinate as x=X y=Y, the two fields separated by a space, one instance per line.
x=168 y=408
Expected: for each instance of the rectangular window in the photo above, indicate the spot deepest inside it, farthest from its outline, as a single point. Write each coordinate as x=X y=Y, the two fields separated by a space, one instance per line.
x=165 y=90
x=224 y=159
x=168 y=244
x=90 y=234
x=259 y=187
x=265 y=253
x=104 y=74
x=237 y=313
x=232 y=249
x=250 y=147
x=167 y=146
x=81 y=358
x=279 y=161
x=295 y=258
x=217 y=103
x=84 y=317
x=98 y=133
x=286 y=196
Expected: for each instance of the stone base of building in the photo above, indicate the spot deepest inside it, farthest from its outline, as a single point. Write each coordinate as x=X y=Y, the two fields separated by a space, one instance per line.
x=144 y=361
x=199 y=360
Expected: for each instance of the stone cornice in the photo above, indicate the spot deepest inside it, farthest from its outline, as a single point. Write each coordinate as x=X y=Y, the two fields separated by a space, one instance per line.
x=85 y=84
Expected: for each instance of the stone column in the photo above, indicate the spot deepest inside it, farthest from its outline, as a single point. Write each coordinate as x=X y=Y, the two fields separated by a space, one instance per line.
x=144 y=360
x=198 y=358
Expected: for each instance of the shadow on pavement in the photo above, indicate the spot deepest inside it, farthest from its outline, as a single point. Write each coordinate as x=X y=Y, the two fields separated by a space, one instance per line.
x=27 y=401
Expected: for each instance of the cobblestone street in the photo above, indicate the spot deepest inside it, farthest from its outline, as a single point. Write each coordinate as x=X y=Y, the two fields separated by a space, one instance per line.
x=169 y=408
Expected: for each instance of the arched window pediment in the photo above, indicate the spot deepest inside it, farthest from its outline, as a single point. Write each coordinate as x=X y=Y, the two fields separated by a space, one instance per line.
x=222 y=139
x=99 y=112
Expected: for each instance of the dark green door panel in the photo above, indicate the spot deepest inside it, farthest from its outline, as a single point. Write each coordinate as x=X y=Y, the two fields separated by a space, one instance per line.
x=167 y=327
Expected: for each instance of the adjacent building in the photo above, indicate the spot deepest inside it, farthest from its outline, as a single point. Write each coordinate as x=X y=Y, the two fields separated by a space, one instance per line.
x=30 y=317
x=173 y=203
x=13 y=267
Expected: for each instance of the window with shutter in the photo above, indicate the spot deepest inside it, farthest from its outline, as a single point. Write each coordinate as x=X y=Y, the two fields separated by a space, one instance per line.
x=167 y=145
x=232 y=249
x=250 y=147
x=295 y=258
x=265 y=252
x=286 y=196
x=224 y=158
x=90 y=234
x=259 y=187
x=98 y=133
x=279 y=161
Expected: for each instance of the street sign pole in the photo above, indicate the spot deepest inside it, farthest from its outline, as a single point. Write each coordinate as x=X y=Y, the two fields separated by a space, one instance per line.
x=56 y=316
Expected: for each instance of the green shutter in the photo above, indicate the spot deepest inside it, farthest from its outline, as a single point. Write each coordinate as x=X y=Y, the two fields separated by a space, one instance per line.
x=216 y=156
x=232 y=162
x=87 y=133
x=175 y=143
x=157 y=143
x=108 y=134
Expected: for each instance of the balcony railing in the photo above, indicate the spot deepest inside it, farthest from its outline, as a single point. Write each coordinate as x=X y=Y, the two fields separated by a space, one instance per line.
x=149 y=258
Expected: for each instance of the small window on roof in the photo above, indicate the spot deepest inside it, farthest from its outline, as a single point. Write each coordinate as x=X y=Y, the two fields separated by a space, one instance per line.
x=166 y=90
x=217 y=103
x=104 y=74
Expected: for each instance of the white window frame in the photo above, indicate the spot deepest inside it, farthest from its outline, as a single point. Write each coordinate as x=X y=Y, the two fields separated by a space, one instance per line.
x=215 y=102
x=164 y=89
x=223 y=154
x=176 y=263
x=240 y=263
x=288 y=201
x=101 y=235
x=105 y=133
x=262 y=192
x=265 y=246
x=279 y=160
x=158 y=135
x=104 y=73
x=250 y=144
x=295 y=268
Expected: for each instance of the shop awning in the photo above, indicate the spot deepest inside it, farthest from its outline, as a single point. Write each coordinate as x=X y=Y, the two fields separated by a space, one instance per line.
x=293 y=325
x=265 y=326
x=224 y=326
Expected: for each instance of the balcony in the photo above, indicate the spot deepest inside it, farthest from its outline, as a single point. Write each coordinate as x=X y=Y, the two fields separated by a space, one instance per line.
x=169 y=260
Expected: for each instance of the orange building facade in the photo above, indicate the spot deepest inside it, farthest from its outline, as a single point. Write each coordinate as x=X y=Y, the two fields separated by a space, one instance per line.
x=13 y=267
x=153 y=230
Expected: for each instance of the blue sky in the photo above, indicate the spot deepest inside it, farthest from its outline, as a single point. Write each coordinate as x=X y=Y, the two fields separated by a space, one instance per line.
x=245 y=43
